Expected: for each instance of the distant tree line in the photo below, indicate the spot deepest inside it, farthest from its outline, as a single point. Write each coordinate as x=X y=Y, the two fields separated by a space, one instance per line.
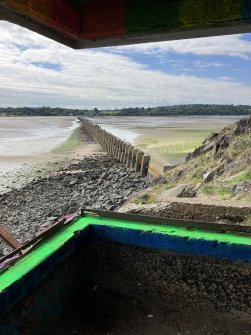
x=135 y=111
x=186 y=110
x=44 y=111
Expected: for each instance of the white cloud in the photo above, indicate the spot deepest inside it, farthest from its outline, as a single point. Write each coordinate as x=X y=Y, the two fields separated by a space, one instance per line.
x=232 y=45
x=204 y=65
x=96 y=78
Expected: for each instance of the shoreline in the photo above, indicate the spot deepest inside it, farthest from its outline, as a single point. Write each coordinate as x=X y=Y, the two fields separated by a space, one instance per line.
x=77 y=174
x=76 y=146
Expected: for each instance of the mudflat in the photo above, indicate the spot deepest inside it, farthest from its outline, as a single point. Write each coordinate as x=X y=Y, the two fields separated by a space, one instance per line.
x=168 y=139
x=27 y=145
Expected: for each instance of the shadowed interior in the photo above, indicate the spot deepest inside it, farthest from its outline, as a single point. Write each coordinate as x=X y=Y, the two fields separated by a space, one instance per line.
x=134 y=261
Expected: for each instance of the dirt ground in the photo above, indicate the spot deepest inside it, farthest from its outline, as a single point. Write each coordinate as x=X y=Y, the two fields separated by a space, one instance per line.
x=102 y=312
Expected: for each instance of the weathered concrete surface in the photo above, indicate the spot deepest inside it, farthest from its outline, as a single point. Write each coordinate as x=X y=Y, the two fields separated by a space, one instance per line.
x=101 y=312
x=170 y=282
x=42 y=308
x=136 y=291
x=193 y=209
x=178 y=282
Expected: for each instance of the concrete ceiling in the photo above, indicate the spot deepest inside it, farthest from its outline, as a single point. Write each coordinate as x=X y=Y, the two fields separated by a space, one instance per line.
x=95 y=23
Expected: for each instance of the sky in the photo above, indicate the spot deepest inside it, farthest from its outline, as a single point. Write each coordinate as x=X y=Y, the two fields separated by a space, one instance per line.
x=36 y=71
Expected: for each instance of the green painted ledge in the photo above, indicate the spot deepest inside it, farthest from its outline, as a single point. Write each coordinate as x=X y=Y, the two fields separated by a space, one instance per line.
x=43 y=251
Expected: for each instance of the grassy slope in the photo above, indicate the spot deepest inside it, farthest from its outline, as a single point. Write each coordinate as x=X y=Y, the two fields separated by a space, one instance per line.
x=221 y=187
x=192 y=171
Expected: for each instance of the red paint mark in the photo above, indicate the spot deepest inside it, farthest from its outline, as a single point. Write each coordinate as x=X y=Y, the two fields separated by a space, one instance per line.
x=103 y=19
x=65 y=17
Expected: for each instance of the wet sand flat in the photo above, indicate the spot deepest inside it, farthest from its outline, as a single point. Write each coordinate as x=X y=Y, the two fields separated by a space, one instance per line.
x=168 y=139
x=26 y=144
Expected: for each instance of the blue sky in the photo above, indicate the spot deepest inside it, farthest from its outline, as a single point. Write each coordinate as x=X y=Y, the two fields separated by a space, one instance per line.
x=232 y=68
x=36 y=71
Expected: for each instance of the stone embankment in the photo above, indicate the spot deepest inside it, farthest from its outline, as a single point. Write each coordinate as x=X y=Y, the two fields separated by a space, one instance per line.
x=98 y=182
x=132 y=157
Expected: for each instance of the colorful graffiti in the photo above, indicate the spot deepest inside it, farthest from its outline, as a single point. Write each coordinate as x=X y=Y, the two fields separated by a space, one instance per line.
x=98 y=19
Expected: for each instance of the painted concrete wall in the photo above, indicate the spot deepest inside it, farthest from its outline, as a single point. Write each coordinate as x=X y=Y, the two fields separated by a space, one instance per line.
x=109 y=252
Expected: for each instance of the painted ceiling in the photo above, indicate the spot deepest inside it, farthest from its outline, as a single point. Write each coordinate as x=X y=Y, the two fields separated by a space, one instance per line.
x=118 y=21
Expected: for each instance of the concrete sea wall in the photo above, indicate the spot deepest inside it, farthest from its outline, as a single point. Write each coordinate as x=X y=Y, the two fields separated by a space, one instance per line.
x=132 y=157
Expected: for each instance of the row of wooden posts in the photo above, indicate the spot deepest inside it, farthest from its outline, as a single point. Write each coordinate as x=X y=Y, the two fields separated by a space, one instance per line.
x=126 y=153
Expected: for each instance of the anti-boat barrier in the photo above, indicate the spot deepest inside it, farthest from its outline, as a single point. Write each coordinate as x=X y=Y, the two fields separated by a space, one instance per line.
x=133 y=158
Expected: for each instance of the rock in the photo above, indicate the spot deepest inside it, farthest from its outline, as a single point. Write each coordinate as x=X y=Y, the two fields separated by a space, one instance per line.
x=75 y=195
x=172 y=192
x=209 y=175
x=126 y=193
x=73 y=182
x=28 y=236
x=210 y=137
x=52 y=218
x=5 y=251
x=226 y=221
x=223 y=142
x=243 y=126
x=243 y=187
x=180 y=191
x=105 y=184
x=190 y=191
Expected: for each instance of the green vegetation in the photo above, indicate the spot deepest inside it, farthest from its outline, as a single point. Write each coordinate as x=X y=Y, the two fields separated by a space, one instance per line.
x=223 y=187
x=46 y=111
x=242 y=143
x=72 y=142
x=224 y=192
x=243 y=176
x=172 y=144
x=146 y=198
x=177 y=110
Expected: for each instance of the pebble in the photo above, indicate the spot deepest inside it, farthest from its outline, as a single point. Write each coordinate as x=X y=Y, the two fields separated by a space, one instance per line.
x=101 y=183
